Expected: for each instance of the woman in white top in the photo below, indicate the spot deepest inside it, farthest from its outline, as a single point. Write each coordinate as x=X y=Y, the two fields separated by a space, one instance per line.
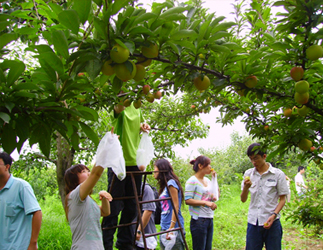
x=201 y=199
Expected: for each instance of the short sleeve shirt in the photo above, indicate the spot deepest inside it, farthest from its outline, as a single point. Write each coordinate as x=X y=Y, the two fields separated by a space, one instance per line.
x=84 y=219
x=150 y=228
x=167 y=208
x=299 y=183
x=265 y=191
x=127 y=126
x=17 y=205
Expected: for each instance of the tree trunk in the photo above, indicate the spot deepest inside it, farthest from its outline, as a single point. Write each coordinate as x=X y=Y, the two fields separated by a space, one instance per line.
x=65 y=156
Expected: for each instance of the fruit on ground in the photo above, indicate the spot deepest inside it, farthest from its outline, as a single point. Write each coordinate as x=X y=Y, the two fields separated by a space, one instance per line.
x=302 y=86
x=202 y=82
x=127 y=102
x=314 y=52
x=119 y=54
x=158 y=94
x=297 y=73
x=151 y=51
x=150 y=97
x=288 y=112
x=146 y=89
x=251 y=82
x=305 y=144
x=125 y=71
x=140 y=73
x=144 y=61
x=301 y=98
x=137 y=104
x=107 y=69
x=303 y=110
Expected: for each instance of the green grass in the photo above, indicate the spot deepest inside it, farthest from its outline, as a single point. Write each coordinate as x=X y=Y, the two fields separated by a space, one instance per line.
x=230 y=223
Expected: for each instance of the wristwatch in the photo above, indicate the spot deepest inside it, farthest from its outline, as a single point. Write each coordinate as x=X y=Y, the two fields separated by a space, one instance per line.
x=139 y=232
x=275 y=214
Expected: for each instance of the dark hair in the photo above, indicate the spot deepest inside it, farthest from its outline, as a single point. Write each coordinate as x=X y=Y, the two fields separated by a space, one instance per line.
x=163 y=164
x=255 y=149
x=203 y=160
x=6 y=159
x=300 y=168
x=71 y=180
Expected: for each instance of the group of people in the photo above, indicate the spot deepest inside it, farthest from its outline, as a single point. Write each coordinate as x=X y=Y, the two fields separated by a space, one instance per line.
x=21 y=215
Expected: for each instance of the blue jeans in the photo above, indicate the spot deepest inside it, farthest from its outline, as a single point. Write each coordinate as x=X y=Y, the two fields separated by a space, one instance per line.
x=258 y=235
x=202 y=233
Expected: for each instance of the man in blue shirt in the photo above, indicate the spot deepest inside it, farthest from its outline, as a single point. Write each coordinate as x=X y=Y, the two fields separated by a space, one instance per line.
x=20 y=213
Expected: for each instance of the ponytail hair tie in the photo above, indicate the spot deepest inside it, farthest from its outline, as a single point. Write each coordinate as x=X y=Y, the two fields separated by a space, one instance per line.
x=192 y=161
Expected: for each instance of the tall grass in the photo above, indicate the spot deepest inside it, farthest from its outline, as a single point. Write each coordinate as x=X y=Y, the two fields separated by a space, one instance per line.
x=230 y=223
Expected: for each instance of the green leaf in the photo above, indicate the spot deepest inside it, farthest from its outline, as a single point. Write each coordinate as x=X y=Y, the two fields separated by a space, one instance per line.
x=144 y=17
x=140 y=30
x=83 y=8
x=171 y=11
x=44 y=135
x=4 y=24
x=53 y=61
x=116 y=85
x=8 y=139
x=222 y=27
x=60 y=43
x=93 y=68
x=101 y=27
x=22 y=128
x=9 y=105
x=7 y=38
x=219 y=48
x=16 y=68
x=184 y=34
x=5 y=117
x=90 y=133
x=75 y=140
x=26 y=86
x=70 y=20
x=118 y=5
x=87 y=113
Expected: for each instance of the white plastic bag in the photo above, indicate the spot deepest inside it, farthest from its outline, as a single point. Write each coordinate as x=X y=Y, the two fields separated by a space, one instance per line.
x=145 y=152
x=169 y=243
x=109 y=155
x=214 y=188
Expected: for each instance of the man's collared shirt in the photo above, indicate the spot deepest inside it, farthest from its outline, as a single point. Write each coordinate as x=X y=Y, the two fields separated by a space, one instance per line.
x=265 y=191
x=17 y=205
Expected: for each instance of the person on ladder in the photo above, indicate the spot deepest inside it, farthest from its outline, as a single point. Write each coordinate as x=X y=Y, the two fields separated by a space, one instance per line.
x=128 y=123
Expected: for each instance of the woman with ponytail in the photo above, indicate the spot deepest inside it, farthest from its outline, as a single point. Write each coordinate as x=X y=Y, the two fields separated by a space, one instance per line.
x=201 y=203
x=168 y=219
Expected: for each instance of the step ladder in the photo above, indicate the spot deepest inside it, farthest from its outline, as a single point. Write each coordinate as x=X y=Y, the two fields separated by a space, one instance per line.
x=139 y=203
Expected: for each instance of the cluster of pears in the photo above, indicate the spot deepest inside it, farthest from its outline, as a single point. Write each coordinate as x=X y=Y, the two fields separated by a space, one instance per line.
x=301 y=95
x=126 y=69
